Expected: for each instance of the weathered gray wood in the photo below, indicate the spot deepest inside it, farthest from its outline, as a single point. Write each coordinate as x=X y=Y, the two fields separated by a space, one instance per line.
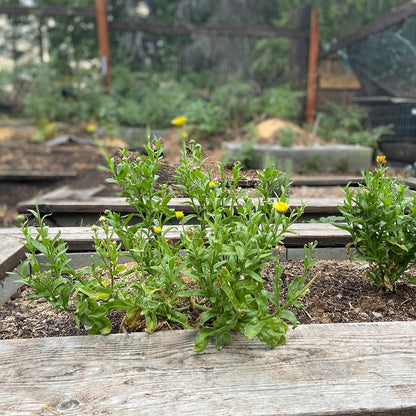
x=11 y=252
x=34 y=175
x=327 y=180
x=79 y=238
x=119 y=204
x=334 y=369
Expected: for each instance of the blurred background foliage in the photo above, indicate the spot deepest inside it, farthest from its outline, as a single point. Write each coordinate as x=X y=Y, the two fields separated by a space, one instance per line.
x=53 y=69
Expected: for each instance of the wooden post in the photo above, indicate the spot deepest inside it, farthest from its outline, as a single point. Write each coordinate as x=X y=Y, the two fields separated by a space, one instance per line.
x=103 y=41
x=312 y=86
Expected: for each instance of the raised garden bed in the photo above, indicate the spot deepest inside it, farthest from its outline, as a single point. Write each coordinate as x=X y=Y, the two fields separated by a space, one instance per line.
x=337 y=369
x=306 y=159
x=67 y=211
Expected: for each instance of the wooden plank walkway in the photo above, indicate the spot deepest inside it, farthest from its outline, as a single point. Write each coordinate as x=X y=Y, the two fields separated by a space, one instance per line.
x=330 y=369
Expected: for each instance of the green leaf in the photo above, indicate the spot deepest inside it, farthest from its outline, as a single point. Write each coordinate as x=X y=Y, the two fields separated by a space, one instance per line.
x=202 y=338
x=252 y=328
x=289 y=316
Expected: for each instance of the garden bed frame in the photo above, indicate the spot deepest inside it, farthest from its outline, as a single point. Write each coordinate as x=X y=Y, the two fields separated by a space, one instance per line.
x=327 y=369
x=68 y=212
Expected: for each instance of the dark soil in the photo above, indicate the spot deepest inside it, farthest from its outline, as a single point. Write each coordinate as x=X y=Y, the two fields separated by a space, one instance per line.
x=340 y=293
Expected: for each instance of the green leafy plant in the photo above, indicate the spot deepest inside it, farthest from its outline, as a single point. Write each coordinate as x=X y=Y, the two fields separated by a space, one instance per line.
x=213 y=270
x=246 y=156
x=286 y=136
x=283 y=102
x=381 y=217
x=348 y=125
x=46 y=130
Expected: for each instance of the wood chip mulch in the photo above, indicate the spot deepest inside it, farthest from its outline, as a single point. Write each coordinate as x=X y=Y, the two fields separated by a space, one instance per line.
x=339 y=294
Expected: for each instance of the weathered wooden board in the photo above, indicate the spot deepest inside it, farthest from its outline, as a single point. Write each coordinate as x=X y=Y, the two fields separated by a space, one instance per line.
x=79 y=238
x=333 y=369
x=119 y=204
x=33 y=175
x=331 y=180
x=11 y=252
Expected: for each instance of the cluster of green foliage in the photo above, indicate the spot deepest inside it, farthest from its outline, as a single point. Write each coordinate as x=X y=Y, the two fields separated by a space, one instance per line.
x=214 y=268
x=151 y=81
x=381 y=217
x=152 y=100
x=349 y=126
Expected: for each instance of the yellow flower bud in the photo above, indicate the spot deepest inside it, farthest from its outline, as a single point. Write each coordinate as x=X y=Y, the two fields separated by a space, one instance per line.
x=179 y=214
x=158 y=229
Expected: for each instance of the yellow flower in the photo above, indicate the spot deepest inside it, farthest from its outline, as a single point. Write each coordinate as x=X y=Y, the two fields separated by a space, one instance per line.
x=184 y=134
x=91 y=128
x=211 y=184
x=158 y=229
x=179 y=121
x=280 y=206
x=179 y=214
x=381 y=159
x=102 y=218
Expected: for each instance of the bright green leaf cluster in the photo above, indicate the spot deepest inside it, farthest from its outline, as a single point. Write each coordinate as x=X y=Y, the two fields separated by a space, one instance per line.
x=381 y=217
x=214 y=268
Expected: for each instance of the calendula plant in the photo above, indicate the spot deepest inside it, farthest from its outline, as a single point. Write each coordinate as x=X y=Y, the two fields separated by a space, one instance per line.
x=213 y=268
x=381 y=216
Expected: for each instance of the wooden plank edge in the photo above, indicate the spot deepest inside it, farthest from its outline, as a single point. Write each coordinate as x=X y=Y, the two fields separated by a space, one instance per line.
x=118 y=204
x=337 y=369
x=32 y=176
x=80 y=238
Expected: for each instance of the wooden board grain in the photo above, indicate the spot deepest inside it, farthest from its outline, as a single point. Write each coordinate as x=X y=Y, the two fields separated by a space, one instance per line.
x=79 y=239
x=119 y=204
x=333 y=369
x=33 y=175
x=11 y=252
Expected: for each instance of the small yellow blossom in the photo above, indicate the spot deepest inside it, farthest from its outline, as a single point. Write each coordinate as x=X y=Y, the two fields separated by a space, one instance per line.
x=381 y=159
x=91 y=128
x=184 y=134
x=212 y=184
x=179 y=214
x=179 y=121
x=94 y=228
x=280 y=206
x=102 y=218
x=158 y=229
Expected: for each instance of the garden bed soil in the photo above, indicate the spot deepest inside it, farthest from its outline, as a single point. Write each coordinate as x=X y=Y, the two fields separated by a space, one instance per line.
x=339 y=293
x=19 y=153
